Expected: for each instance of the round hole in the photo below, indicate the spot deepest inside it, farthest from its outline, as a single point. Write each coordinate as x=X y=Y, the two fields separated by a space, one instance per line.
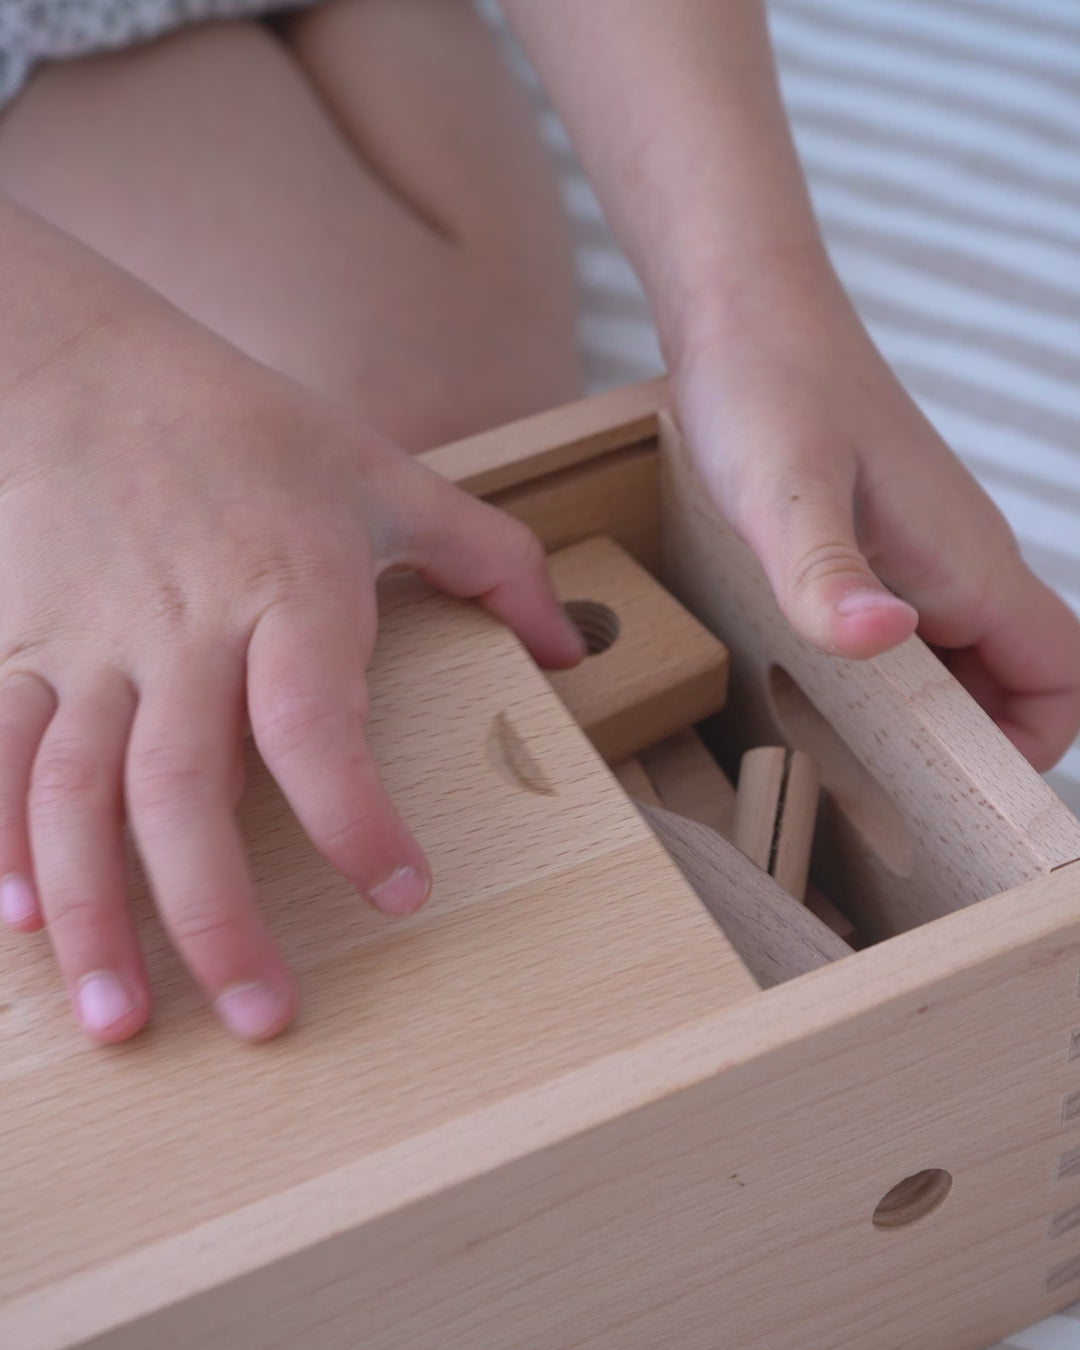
x=598 y=625
x=913 y=1198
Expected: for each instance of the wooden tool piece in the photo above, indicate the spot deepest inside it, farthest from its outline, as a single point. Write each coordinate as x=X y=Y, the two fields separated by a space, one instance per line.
x=654 y=669
x=817 y=902
x=795 y=825
x=635 y=782
x=757 y=804
x=777 y=937
x=689 y=781
x=775 y=810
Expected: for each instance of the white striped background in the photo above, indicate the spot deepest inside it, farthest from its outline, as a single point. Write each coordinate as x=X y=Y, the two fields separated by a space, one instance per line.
x=942 y=143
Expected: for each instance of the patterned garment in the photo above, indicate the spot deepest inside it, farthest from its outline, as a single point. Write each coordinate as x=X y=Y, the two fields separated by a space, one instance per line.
x=39 y=30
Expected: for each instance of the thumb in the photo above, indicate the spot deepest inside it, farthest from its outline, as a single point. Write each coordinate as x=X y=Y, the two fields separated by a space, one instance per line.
x=802 y=528
x=470 y=549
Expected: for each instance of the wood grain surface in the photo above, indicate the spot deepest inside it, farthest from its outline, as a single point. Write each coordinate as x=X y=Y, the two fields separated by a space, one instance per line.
x=559 y=932
x=663 y=670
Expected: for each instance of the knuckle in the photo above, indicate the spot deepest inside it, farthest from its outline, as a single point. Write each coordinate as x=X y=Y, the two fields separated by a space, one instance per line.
x=64 y=771
x=518 y=548
x=12 y=814
x=826 y=561
x=199 y=925
x=74 y=910
x=341 y=836
x=294 y=718
x=167 y=777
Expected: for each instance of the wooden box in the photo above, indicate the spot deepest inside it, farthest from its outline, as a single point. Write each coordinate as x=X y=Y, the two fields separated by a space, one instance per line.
x=553 y=1110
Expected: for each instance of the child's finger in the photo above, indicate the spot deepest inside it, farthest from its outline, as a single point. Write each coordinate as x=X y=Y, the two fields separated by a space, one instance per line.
x=180 y=789
x=75 y=830
x=801 y=526
x=1024 y=669
x=307 y=701
x=26 y=706
x=471 y=549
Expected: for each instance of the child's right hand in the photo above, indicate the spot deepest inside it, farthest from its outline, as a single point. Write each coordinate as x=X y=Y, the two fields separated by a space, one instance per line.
x=851 y=500
x=189 y=539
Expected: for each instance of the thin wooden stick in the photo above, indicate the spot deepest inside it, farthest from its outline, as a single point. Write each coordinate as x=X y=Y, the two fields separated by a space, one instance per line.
x=795 y=826
x=757 y=803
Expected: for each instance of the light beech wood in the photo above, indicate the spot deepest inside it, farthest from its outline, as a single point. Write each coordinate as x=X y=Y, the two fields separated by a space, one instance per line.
x=559 y=932
x=635 y=782
x=775 y=812
x=554 y=1109
x=661 y=672
x=776 y=936
x=757 y=803
x=574 y=434
x=718 y=1191
x=795 y=826
x=689 y=781
x=614 y=495
x=817 y=902
x=929 y=807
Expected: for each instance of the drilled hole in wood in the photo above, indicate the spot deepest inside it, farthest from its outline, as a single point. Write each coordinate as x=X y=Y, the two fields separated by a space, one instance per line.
x=850 y=784
x=913 y=1198
x=598 y=624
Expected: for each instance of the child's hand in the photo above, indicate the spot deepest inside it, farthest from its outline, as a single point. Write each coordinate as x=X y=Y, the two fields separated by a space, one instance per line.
x=829 y=471
x=188 y=539
x=811 y=447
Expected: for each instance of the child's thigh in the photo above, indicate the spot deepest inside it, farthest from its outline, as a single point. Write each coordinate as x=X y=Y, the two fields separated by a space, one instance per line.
x=384 y=249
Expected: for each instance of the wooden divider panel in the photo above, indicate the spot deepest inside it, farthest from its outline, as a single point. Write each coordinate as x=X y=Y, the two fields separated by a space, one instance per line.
x=932 y=808
x=559 y=932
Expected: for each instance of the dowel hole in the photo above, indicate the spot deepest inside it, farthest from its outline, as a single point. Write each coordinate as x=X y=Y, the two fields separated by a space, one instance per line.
x=598 y=624
x=855 y=790
x=913 y=1198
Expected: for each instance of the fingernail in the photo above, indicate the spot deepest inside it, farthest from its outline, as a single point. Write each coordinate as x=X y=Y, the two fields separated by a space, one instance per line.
x=856 y=602
x=403 y=891
x=250 y=1010
x=103 y=1001
x=17 y=899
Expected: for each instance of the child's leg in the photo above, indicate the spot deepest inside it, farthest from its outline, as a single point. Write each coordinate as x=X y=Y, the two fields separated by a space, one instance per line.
x=395 y=243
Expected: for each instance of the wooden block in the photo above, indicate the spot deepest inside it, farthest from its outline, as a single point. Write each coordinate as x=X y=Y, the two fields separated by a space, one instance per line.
x=689 y=781
x=614 y=495
x=817 y=902
x=636 y=782
x=157 y=1173
x=548 y=442
x=655 y=670
x=776 y=936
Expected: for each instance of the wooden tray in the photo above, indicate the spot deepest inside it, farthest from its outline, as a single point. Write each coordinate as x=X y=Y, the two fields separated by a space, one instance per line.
x=554 y=1110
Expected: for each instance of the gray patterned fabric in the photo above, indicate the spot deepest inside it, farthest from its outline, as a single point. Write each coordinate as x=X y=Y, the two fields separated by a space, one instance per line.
x=36 y=30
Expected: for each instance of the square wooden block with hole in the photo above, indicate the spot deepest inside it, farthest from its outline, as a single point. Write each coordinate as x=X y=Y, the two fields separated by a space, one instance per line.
x=558 y=1107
